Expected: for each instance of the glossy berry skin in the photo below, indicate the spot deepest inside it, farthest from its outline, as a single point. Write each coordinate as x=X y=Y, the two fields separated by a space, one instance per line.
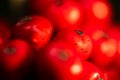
x=65 y=14
x=90 y=27
x=59 y=57
x=35 y=29
x=5 y=35
x=15 y=54
x=112 y=74
x=97 y=11
x=91 y=72
x=95 y=31
x=104 y=51
x=79 y=40
x=114 y=31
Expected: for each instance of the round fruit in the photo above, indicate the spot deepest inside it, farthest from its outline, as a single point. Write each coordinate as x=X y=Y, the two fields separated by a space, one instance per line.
x=35 y=29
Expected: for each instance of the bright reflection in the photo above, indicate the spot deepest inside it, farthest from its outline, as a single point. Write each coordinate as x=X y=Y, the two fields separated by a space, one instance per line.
x=73 y=15
x=38 y=35
x=96 y=76
x=82 y=44
x=76 y=69
x=100 y=10
x=109 y=47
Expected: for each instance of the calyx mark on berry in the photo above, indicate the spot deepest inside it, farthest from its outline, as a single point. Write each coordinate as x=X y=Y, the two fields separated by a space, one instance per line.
x=79 y=32
x=63 y=55
x=59 y=2
x=26 y=19
x=105 y=35
x=9 y=50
